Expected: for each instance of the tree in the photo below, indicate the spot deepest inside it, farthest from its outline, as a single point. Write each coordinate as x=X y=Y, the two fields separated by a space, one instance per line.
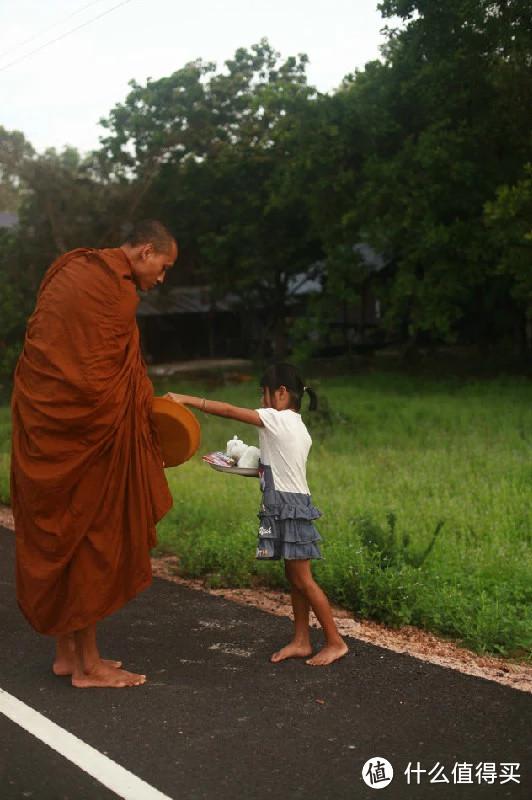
x=60 y=206
x=14 y=304
x=441 y=124
x=15 y=151
x=509 y=222
x=208 y=150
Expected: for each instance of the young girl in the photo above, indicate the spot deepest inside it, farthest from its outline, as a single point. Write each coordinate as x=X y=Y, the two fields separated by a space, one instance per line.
x=286 y=515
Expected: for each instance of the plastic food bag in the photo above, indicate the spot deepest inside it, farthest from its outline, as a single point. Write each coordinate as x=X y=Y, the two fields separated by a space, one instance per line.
x=236 y=448
x=250 y=458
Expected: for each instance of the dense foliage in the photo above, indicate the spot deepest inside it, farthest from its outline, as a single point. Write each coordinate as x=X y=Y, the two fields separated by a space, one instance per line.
x=424 y=156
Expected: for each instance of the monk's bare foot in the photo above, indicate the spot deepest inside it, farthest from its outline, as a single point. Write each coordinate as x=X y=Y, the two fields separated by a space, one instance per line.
x=330 y=653
x=103 y=676
x=66 y=666
x=292 y=650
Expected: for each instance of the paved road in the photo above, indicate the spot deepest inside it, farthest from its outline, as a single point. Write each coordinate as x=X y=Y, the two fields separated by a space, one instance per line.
x=218 y=721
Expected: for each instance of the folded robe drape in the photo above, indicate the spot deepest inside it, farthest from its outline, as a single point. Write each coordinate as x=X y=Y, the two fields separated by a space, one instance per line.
x=87 y=478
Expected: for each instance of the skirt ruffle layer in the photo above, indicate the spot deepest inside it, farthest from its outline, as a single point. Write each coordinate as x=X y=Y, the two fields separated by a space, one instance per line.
x=275 y=549
x=289 y=535
x=292 y=506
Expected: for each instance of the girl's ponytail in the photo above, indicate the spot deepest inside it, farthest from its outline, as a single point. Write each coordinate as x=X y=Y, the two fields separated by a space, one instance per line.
x=313 y=398
x=287 y=375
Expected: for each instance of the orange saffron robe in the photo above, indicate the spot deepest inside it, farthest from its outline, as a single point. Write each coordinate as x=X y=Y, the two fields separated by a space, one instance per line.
x=87 y=477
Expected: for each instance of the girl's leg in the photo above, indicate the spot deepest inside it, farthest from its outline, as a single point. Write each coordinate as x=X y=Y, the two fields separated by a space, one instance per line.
x=300 y=646
x=300 y=576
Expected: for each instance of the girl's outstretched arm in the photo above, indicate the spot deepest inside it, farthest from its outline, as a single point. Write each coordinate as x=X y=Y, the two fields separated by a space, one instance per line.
x=217 y=408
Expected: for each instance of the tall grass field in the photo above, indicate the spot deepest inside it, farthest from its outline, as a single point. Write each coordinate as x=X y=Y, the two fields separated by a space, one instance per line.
x=426 y=493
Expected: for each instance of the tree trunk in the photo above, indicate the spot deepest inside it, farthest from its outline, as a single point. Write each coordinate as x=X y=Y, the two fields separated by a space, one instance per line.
x=279 y=331
x=279 y=341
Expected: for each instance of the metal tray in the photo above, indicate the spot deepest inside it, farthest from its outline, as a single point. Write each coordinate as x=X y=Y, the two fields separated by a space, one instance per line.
x=246 y=472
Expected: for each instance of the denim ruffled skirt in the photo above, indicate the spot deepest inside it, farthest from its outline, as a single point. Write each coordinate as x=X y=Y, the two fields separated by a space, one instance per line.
x=286 y=527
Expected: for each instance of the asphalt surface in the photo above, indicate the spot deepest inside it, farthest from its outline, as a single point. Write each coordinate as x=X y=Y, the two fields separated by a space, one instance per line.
x=217 y=720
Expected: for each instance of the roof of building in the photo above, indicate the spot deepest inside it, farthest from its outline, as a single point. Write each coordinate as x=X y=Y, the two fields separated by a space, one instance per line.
x=182 y=300
x=198 y=299
x=8 y=219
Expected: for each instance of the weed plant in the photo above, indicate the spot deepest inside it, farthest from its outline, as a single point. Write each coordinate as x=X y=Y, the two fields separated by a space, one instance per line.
x=425 y=489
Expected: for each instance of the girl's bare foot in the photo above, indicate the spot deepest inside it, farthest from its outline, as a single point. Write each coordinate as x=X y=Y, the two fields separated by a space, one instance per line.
x=103 y=676
x=66 y=666
x=292 y=650
x=330 y=653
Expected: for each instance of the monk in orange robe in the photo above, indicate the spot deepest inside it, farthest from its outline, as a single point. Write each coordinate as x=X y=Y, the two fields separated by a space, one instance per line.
x=87 y=475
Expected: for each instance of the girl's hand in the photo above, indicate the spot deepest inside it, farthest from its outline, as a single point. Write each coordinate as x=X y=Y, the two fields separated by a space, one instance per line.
x=219 y=409
x=177 y=398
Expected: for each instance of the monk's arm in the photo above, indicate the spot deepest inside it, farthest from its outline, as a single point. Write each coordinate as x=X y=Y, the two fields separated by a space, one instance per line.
x=217 y=408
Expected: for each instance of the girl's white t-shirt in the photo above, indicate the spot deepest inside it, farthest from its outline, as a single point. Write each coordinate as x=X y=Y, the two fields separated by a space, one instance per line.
x=284 y=446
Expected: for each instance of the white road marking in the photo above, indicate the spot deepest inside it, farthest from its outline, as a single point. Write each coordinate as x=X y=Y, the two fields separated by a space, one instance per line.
x=94 y=763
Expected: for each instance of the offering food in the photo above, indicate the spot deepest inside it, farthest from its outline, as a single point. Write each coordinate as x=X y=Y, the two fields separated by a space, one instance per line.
x=236 y=447
x=220 y=459
x=240 y=459
x=250 y=458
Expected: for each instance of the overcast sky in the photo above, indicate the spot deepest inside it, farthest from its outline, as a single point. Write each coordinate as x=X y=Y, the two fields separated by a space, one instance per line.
x=57 y=95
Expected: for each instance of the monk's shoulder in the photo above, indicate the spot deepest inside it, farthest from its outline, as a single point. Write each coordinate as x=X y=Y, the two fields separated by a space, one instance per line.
x=97 y=283
x=115 y=262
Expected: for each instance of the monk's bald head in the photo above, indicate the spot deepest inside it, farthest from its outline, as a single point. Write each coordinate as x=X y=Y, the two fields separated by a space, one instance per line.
x=151 y=231
x=151 y=250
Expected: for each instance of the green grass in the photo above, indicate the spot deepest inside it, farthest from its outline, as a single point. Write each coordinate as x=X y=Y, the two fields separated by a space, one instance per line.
x=425 y=488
